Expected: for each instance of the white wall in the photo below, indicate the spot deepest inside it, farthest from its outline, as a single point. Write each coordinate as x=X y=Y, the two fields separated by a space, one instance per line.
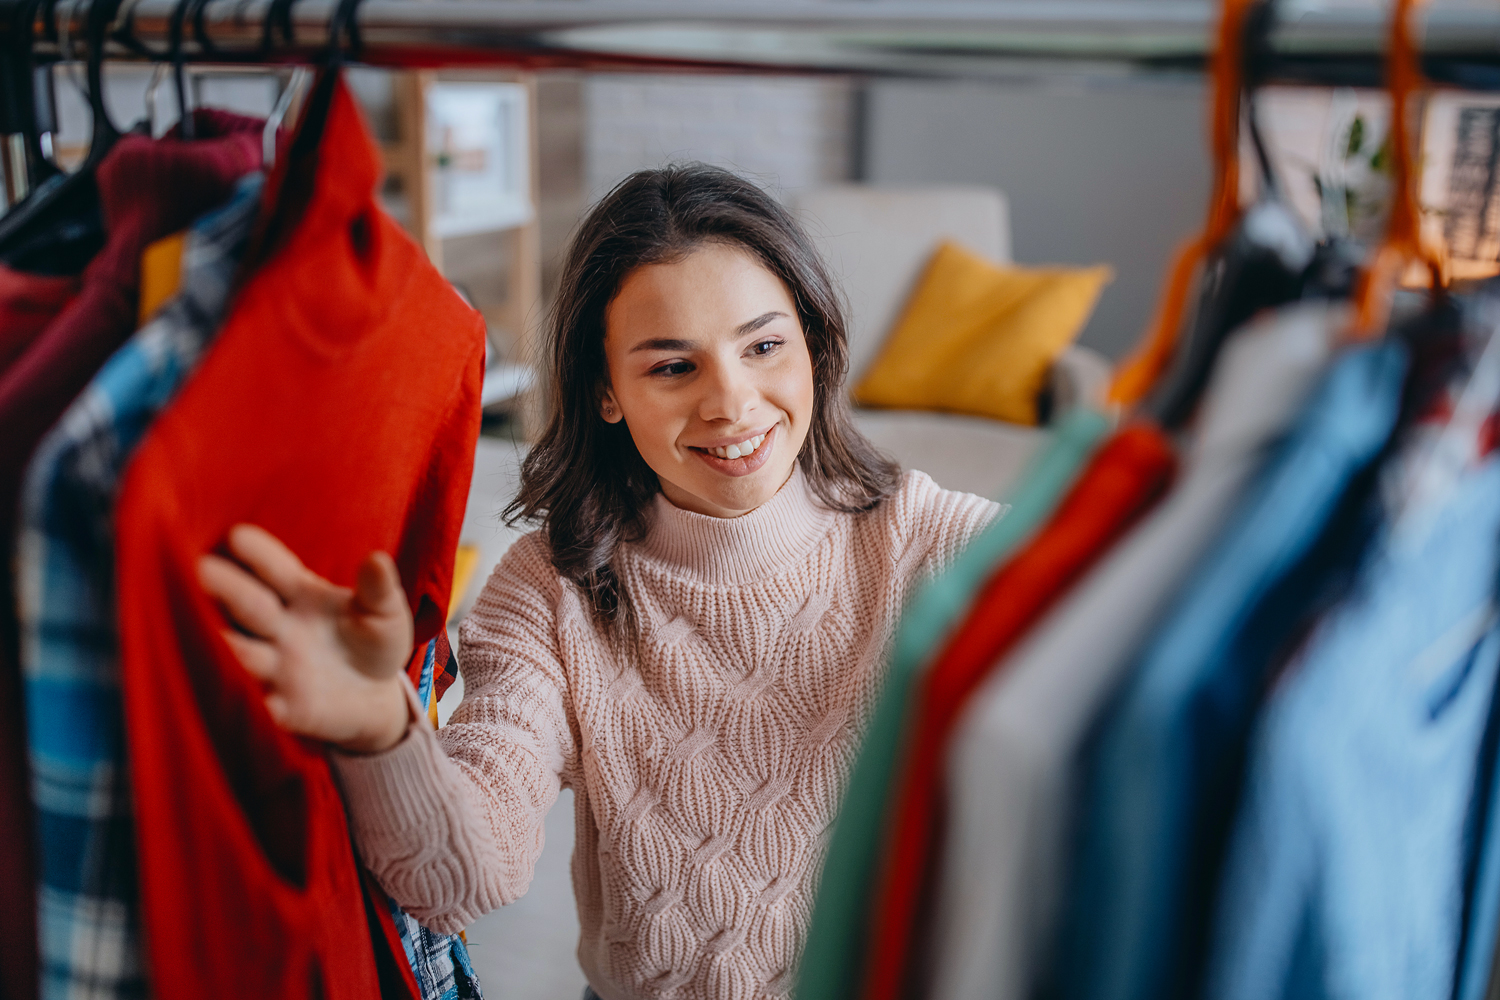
x=1117 y=175
x=784 y=133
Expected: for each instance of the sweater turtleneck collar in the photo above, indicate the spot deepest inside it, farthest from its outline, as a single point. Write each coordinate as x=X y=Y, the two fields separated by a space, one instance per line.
x=775 y=536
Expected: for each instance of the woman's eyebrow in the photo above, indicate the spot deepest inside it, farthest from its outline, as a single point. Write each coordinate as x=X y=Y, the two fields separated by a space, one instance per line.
x=664 y=344
x=672 y=344
x=757 y=323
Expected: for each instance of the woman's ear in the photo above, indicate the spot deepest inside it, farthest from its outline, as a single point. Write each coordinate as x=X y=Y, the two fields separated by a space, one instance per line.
x=609 y=409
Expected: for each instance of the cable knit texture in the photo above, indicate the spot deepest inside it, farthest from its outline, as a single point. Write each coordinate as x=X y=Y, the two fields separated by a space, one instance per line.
x=708 y=755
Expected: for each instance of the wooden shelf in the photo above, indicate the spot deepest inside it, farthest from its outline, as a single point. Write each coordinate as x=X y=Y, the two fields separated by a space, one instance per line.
x=515 y=318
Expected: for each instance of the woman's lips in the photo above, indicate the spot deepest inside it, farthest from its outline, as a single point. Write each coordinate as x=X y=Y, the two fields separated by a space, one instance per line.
x=745 y=464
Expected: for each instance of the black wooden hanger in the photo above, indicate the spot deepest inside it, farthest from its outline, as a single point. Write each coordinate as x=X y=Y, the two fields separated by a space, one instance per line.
x=38 y=234
x=179 y=69
x=302 y=157
x=27 y=108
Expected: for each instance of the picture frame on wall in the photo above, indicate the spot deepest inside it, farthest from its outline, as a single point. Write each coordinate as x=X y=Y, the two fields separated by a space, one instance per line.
x=477 y=138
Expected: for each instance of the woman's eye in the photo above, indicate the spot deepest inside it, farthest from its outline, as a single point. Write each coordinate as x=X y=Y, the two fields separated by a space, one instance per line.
x=765 y=347
x=672 y=368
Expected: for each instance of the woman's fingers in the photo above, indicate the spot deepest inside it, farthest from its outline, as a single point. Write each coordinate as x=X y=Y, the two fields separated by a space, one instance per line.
x=377 y=586
x=249 y=603
x=258 y=657
x=328 y=657
x=378 y=627
x=265 y=556
x=279 y=709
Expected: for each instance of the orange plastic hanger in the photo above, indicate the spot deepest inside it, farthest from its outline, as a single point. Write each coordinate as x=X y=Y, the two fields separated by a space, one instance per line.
x=1403 y=243
x=1140 y=371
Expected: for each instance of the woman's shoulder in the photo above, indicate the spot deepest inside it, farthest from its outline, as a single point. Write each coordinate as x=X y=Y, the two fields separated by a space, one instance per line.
x=921 y=506
x=929 y=524
x=523 y=576
x=529 y=558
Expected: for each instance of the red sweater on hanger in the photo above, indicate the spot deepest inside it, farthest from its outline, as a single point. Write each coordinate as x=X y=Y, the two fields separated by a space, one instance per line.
x=28 y=303
x=1123 y=480
x=55 y=333
x=147 y=189
x=338 y=408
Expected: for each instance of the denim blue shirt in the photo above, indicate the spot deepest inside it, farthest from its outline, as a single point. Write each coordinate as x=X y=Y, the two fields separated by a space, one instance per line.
x=1345 y=877
x=1481 y=929
x=1160 y=773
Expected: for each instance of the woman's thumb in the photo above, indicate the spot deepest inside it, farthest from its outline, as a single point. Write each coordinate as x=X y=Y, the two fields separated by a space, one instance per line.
x=377 y=585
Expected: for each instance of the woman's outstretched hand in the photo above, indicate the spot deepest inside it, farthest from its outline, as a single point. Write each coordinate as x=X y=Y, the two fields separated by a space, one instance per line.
x=330 y=657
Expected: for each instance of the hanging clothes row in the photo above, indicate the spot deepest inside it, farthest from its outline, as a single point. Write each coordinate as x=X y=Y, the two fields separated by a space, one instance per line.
x=1213 y=711
x=192 y=338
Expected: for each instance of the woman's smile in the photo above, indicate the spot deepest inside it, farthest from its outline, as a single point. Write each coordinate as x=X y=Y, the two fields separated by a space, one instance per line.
x=740 y=457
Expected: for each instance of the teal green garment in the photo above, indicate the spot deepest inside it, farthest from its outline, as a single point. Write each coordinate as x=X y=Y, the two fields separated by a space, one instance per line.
x=835 y=943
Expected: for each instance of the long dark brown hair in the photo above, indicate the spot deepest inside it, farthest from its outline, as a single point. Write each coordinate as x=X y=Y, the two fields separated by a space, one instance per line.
x=584 y=480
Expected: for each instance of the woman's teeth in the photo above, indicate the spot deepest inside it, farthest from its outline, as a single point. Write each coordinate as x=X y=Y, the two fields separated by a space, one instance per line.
x=738 y=450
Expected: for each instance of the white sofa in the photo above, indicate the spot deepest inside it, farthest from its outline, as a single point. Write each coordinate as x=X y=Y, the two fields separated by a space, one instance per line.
x=876 y=241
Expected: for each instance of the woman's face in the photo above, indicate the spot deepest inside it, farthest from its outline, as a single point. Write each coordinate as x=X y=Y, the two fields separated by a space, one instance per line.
x=709 y=368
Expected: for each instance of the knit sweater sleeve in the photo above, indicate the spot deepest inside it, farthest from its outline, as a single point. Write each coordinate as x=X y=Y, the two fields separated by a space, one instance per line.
x=934 y=525
x=450 y=823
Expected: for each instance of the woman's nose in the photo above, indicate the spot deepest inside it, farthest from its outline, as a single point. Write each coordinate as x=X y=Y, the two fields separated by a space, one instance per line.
x=729 y=395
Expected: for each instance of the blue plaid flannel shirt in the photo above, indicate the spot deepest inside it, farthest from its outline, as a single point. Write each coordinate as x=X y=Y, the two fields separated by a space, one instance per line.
x=439 y=961
x=88 y=917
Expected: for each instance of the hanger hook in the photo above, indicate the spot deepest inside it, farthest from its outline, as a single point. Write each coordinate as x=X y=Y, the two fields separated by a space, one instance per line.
x=1259 y=21
x=62 y=29
x=123 y=30
x=100 y=15
x=1403 y=242
x=278 y=15
x=179 y=71
x=198 y=12
x=37 y=90
x=345 y=21
x=158 y=73
x=1138 y=372
x=294 y=86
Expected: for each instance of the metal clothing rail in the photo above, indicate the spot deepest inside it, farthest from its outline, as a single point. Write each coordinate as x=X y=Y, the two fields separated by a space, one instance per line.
x=1332 y=42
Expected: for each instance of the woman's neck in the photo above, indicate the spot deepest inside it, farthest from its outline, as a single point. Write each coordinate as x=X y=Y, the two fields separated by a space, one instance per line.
x=775 y=536
x=691 y=502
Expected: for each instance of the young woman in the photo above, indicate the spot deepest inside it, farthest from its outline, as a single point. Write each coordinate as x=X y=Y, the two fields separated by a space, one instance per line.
x=691 y=641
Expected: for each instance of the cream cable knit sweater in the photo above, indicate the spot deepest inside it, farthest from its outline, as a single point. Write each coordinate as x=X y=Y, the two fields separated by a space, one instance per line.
x=707 y=759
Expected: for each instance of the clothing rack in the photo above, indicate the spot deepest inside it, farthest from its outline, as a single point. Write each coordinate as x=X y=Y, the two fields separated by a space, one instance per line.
x=1322 y=43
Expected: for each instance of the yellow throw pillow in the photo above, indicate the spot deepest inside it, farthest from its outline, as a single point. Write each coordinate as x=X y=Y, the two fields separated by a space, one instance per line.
x=979 y=338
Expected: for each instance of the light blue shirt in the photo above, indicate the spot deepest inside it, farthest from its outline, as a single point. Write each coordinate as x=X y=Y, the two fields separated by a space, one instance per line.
x=1161 y=776
x=1346 y=874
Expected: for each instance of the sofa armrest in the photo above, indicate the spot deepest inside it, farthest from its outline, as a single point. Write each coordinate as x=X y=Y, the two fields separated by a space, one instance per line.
x=1079 y=376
